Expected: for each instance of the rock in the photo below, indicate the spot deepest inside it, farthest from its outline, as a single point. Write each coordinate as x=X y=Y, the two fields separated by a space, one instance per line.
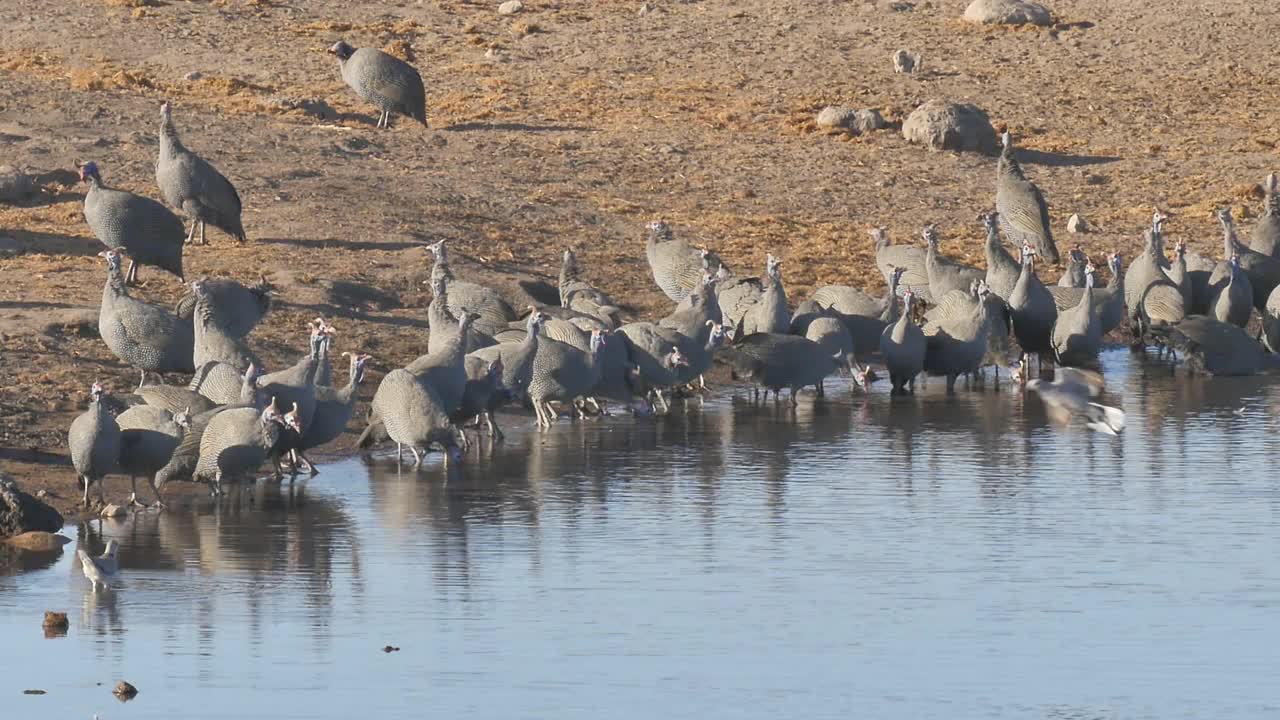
x=857 y=121
x=943 y=125
x=114 y=511
x=33 y=692
x=124 y=690
x=1008 y=12
x=55 y=621
x=38 y=541
x=897 y=6
x=1076 y=224
x=21 y=513
x=310 y=106
x=14 y=186
x=193 y=76
x=905 y=62
x=865 y=121
x=390 y=649
x=510 y=7
x=493 y=54
x=646 y=8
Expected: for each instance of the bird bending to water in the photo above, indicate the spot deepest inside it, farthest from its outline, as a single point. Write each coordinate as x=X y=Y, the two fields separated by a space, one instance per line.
x=102 y=568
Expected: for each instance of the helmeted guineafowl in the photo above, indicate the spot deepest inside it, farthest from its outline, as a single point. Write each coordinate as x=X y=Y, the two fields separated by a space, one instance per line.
x=907 y=258
x=903 y=346
x=1266 y=232
x=580 y=295
x=148 y=437
x=945 y=274
x=1077 y=332
x=145 y=336
x=94 y=440
x=493 y=313
x=677 y=267
x=1002 y=268
x=234 y=308
x=1032 y=309
x=143 y=228
x=562 y=373
x=385 y=81
x=188 y=182
x=413 y=415
x=1024 y=214
x=957 y=331
x=773 y=361
x=333 y=410
x=236 y=442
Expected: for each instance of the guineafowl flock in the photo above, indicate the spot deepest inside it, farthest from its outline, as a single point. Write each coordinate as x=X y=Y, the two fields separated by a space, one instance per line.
x=938 y=317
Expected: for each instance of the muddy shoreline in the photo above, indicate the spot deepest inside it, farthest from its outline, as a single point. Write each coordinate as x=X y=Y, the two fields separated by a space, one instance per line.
x=571 y=125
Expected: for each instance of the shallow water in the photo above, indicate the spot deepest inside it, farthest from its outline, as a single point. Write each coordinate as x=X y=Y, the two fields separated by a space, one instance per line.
x=917 y=558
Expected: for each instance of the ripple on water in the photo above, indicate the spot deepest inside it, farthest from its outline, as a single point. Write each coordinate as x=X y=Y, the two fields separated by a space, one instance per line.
x=905 y=557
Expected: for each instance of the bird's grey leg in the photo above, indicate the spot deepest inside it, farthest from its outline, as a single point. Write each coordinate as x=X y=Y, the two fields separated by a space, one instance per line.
x=203 y=241
x=191 y=234
x=417 y=458
x=399 y=453
x=822 y=391
x=85 y=479
x=794 y=399
x=217 y=484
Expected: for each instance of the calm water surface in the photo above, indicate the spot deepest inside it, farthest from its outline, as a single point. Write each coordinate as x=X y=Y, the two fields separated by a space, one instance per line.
x=919 y=558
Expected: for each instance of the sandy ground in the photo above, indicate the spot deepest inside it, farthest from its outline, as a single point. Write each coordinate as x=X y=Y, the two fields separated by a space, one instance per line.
x=572 y=124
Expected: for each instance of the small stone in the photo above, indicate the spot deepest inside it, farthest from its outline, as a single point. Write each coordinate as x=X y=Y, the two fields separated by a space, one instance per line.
x=865 y=121
x=38 y=541
x=905 y=62
x=1076 y=224
x=56 y=620
x=390 y=649
x=310 y=106
x=114 y=511
x=493 y=54
x=1008 y=12
x=193 y=76
x=897 y=6
x=510 y=7
x=14 y=186
x=835 y=116
x=124 y=690
x=856 y=121
x=942 y=125
x=646 y=8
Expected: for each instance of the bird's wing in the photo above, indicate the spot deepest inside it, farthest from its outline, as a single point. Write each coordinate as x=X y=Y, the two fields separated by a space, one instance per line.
x=1105 y=419
x=1088 y=379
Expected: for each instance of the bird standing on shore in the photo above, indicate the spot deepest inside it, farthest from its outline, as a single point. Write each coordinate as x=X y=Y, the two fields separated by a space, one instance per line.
x=188 y=182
